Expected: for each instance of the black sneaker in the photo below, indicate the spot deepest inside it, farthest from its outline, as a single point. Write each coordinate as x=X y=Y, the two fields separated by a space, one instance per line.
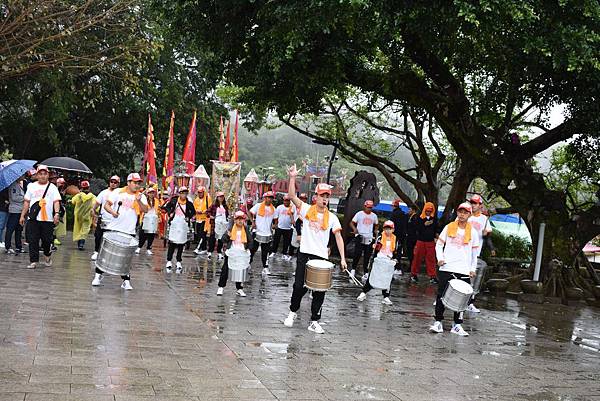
x=414 y=279
x=433 y=280
x=53 y=248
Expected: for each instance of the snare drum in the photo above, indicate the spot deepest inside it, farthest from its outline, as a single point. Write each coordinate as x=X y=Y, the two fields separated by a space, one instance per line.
x=318 y=275
x=178 y=231
x=263 y=239
x=457 y=295
x=116 y=253
x=150 y=223
x=382 y=273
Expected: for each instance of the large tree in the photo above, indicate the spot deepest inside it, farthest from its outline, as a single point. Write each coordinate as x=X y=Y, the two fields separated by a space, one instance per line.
x=485 y=71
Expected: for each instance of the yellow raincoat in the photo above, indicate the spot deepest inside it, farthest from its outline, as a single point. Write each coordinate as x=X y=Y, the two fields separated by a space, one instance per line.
x=83 y=214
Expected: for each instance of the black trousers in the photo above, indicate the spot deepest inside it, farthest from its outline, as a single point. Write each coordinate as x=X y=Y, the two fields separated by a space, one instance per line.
x=410 y=249
x=287 y=239
x=300 y=290
x=211 y=243
x=40 y=230
x=13 y=227
x=444 y=278
x=98 y=234
x=265 y=248
x=225 y=275
x=146 y=238
x=200 y=234
x=366 y=251
x=171 y=250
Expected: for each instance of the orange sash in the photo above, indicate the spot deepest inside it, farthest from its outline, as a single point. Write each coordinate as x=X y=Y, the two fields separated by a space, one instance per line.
x=313 y=215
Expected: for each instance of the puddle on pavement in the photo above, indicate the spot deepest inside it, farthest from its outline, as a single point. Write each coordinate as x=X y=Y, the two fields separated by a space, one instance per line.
x=275 y=348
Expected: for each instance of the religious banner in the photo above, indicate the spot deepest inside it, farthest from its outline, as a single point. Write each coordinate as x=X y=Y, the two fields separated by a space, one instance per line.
x=226 y=179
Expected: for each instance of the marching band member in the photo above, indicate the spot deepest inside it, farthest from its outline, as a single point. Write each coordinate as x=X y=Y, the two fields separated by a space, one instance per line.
x=318 y=223
x=124 y=205
x=103 y=217
x=284 y=214
x=202 y=203
x=364 y=226
x=237 y=236
x=178 y=208
x=153 y=209
x=263 y=215
x=456 y=250
x=218 y=214
x=386 y=246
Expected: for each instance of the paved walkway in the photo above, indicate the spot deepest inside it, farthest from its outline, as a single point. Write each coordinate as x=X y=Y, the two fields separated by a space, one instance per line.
x=172 y=338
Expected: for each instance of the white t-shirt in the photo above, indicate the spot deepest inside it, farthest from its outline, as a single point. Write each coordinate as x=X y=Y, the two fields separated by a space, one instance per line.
x=458 y=256
x=364 y=223
x=180 y=209
x=34 y=193
x=482 y=224
x=314 y=240
x=284 y=220
x=102 y=197
x=263 y=223
x=128 y=217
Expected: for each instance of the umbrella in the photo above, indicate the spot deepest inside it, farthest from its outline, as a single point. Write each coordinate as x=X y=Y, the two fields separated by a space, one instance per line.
x=12 y=170
x=67 y=163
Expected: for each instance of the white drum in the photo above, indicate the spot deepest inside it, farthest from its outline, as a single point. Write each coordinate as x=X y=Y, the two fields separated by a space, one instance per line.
x=295 y=243
x=382 y=272
x=178 y=231
x=150 y=223
x=220 y=226
x=238 y=261
x=457 y=295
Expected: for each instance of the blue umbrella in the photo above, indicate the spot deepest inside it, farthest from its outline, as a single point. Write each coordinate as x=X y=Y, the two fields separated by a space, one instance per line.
x=11 y=172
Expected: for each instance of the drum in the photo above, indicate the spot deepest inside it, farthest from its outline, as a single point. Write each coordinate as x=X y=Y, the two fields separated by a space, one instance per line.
x=220 y=227
x=178 y=231
x=366 y=240
x=116 y=253
x=318 y=276
x=150 y=223
x=382 y=272
x=238 y=261
x=457 y=295
x=295 y=243
x=477 y=282
x=263 y=239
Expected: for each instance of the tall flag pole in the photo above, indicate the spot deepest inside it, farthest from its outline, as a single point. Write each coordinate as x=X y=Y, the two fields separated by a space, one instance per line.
x=221 y=142
x=189 y=150
x=234 y=148
x=169 y=163
x=227 y=144
x=150 y=156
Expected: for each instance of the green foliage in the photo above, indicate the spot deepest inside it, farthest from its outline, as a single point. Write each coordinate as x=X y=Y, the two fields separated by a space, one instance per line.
x=509 y=246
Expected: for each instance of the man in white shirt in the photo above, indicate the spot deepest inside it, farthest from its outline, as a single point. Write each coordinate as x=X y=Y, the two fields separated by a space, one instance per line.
x=41 y=224
x=317 y=224
x=365 y=227
x=263 y=215
x=284 y=214
x=103 y=217
x=481 y=223
x=124 y=205
x=456 y=250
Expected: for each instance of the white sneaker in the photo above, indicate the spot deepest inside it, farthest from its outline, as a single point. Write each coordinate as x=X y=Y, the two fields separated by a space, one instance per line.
x=197 y=251
x=458 y=330
x=149 y=252
x=97 y=279
x=220 y=291
x=241 y=293
x=315 y=327
x=361 y=297
x=2 y=245
x=179 y=266
x=352 y=272
x=397 y=272
x=266 y=271
x=437 y=327
x=220 y=256
x=272 y=254
x=126 y=285
x=472 y=308
x=137 y=251
x=94 y=256
x=204 y=252
x=267 y=264
x=289 y=321
x=209 y=256
x=48 y=261
x=168 y=267
x=387 y=301
x=365 y=277
x=32 y=265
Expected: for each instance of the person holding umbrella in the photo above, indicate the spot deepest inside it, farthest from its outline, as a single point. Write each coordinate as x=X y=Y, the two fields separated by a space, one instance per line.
x=42 y=207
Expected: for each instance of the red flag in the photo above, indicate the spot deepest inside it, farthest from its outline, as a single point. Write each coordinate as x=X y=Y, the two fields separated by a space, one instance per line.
x=150 y=156
x=234 y=148
x=169 y=163
x=189 y=151
x=221 y=142
x=227 y=154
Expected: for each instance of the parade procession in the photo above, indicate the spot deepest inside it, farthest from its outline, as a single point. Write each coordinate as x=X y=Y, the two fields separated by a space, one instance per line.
x=318 y=200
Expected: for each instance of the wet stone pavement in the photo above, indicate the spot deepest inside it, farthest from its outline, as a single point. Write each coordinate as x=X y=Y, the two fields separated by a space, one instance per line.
x=172 y=338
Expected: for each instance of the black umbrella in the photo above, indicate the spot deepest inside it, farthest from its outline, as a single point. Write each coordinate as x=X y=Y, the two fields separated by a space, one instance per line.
x=67 y=163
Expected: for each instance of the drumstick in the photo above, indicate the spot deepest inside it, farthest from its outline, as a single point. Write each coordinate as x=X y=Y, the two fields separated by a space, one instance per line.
x=119 y=206
x=353 y=279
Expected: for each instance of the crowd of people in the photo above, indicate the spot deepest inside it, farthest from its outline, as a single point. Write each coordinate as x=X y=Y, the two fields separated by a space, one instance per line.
x=305 y=231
